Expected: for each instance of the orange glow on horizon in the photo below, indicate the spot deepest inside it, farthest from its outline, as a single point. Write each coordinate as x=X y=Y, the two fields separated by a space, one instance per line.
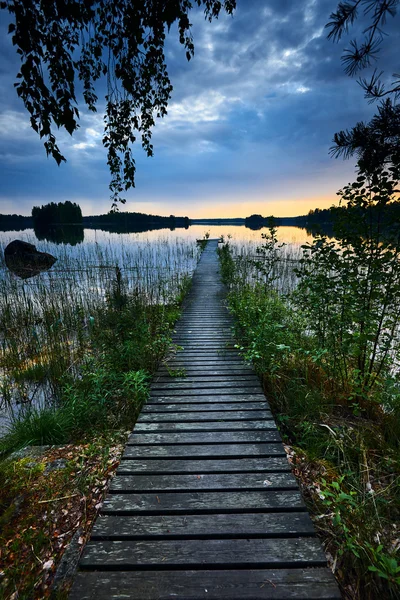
x=226 y=209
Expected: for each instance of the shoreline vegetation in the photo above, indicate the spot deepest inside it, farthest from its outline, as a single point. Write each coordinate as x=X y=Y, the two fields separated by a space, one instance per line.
x=327 y=350
x=77 y=357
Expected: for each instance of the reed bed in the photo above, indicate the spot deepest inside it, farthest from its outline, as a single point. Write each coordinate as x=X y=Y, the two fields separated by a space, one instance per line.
x=51 y=324
x=249 y=265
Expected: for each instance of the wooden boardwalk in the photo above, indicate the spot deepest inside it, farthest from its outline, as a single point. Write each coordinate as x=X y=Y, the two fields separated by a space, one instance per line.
x=204 y=506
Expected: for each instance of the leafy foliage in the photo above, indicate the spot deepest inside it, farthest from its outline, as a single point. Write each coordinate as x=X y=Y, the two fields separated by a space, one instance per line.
x=350 y=288
x=69 y=45
x=347 y=462
x=268 y=254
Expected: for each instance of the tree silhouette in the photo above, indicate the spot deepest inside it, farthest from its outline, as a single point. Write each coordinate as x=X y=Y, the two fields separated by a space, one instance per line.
x=377 y=143
x=69 y=44
x=362 y=53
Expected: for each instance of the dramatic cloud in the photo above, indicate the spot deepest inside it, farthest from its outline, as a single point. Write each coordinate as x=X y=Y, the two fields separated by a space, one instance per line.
x=248 y=128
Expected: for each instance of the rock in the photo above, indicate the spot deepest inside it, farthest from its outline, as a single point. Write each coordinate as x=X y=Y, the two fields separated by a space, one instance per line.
x=25 y=261
x=29 y=452
x=55 y=465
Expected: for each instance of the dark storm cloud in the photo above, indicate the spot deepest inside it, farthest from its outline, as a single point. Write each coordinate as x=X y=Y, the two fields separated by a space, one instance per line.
x=259 y=102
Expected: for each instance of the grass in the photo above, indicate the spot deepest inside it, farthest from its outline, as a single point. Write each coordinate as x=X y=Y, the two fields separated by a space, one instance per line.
x=346 y=458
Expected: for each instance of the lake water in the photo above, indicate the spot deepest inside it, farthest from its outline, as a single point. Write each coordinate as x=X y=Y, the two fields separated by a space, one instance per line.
x=153 y=264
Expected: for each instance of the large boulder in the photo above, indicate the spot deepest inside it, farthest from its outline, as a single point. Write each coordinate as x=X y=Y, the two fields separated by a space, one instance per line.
x=25 y=261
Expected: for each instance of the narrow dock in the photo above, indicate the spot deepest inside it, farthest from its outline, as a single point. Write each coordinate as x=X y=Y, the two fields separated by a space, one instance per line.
x=203 y=505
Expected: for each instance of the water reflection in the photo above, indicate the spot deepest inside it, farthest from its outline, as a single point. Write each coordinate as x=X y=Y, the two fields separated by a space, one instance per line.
x=62 y=234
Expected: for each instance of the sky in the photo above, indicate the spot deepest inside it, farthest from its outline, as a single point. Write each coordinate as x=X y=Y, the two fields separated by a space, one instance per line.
x=248 y=129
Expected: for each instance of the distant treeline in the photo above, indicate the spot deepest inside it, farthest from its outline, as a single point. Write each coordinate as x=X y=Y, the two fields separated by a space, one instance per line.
x=324 y=219
x=15 y=223
x=62 y=222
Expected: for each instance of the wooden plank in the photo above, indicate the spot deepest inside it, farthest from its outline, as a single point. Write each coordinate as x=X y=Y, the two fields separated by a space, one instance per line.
x=260 y=553
x=210 y=399
x=202 y=371
x=182 y=466
x=203 y=335
x=209 y=324
x=220 y=437
x=260 y=584
x=196 y=416
x=222 y=341
x=196 y=363
x=182 y=407
x=206 y=349
x=205 y=376
x=203 y=526
x=206 y=391
x=202 y=383
x=208 y=357
x=203 y=330
x=203 y=502
x=206 y=426
x=206 y=450
x=206 y=345
x=145 y=484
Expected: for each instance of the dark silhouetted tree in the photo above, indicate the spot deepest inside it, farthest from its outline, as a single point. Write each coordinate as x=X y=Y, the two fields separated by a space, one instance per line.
x=363 y=52
x=61 y=213
x=63 y=43
x=377 y=143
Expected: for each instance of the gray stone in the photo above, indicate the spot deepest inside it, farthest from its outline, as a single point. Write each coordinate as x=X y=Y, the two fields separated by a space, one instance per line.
x=55 y=465
x=25 y=261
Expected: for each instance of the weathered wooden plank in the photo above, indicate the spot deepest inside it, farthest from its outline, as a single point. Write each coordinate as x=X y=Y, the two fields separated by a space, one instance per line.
x=204 y=502
x=182 y=407
x=145 y=484
x=206 y=426
x=261 y=553
x=206 y=450
x=220 y=437
x=217 y=350
x=206 y=348
x=196 y=363
x=192 y=323
x=206 y=391
x=205 y=377
x=201 y=383
x=203 y=371
x=204 y=342
x=203 y=526
x=203 y=331
x=202 y=399
x=200 y=356
x=196 y=416
x=182 y=466
x=219 y=337
x=260 y=584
